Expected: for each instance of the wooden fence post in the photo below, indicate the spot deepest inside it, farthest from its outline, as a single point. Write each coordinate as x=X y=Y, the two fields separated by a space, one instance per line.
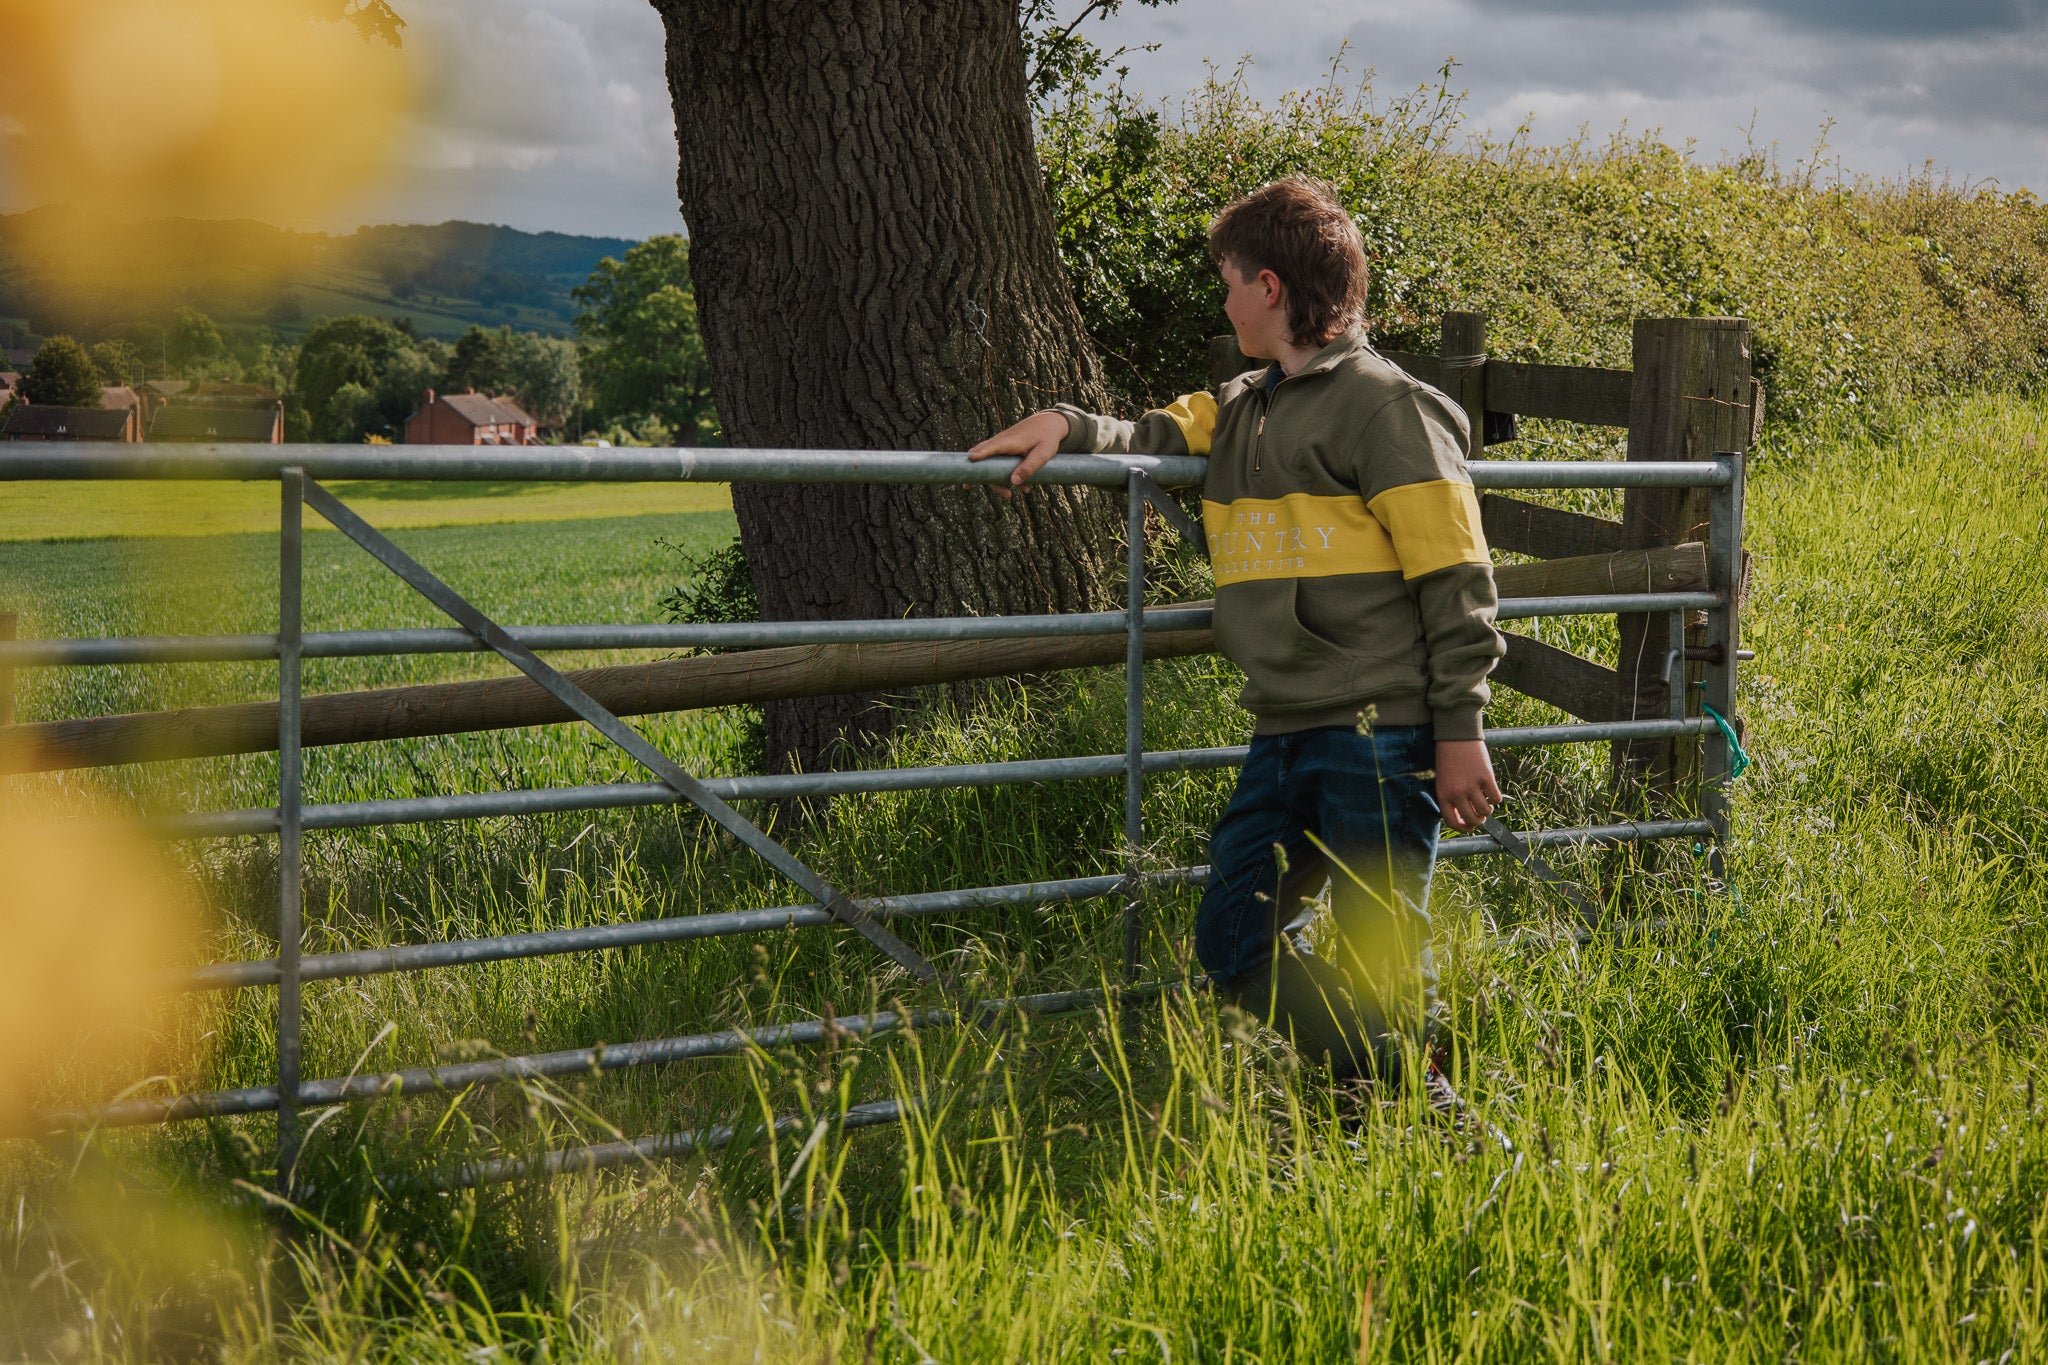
x=1691 y=396
x=1226 y=362
x=1461 y=354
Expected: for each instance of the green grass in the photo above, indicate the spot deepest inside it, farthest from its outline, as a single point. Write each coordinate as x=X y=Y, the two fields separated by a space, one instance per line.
x=98 y=511
x=1801 y=1121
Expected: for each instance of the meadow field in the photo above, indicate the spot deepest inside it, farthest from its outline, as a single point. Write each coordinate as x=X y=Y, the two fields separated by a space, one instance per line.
x=1797 y=1117
x=58 y=511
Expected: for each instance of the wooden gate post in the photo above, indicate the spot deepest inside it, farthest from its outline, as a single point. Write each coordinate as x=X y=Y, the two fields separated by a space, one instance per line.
x=1691 y=396
x=1226 y=362
x=1461 y=354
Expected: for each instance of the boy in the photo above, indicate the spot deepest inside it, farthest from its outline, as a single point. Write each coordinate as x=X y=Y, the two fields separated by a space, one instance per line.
x=1354 y=588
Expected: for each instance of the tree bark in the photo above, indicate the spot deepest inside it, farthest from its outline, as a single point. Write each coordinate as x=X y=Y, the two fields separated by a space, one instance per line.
x=875 y=266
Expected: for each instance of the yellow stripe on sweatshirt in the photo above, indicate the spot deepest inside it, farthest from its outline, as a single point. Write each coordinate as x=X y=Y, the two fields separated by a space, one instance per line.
x=1302 y=535
x=1434 y=525
x=1195 y=415
x=1412 y=530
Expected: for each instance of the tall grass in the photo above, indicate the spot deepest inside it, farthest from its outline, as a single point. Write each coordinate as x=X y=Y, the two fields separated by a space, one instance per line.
x=1800 y=1118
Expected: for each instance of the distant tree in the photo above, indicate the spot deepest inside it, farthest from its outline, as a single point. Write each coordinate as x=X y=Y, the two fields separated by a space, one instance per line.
x=119 y=362
x=338 y=351
x=62 y=375
x=647 y=356
x=265 y=360
x=369 y=353
x=352 y=415
x=192 y=341
x=408 y=373
x=150 y=341
x=546 y=374
x=478 y=362
x=285 y=309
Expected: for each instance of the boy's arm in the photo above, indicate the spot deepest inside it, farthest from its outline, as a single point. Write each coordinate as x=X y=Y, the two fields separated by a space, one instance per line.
x=1413 y=477
x=1183 y=427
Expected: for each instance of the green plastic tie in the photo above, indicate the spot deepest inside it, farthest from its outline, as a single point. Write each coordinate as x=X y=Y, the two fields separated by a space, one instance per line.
x=1739 y=761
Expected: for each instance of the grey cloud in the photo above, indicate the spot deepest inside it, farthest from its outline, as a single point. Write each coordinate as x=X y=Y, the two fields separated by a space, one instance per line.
x=555 y=113
x=2001 y=86
x=1722 y=75
x=1656 y=57
x=546 y=113
x=574 y=91
x=1875 y=17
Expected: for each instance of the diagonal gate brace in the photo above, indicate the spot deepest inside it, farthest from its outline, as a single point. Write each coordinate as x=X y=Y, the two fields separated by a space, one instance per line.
x=1176 y=516
x=490 y=634
x=1574 y=895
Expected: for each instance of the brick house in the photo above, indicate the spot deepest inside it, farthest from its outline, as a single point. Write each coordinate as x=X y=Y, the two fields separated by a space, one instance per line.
x=121 y=398
x=469 y=419
x=46 y=422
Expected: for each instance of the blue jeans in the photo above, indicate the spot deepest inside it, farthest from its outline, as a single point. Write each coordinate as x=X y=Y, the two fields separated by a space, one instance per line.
x=1370 y=801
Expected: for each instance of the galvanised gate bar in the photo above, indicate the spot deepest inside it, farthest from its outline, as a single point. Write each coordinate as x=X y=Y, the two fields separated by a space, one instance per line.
x=299 y=472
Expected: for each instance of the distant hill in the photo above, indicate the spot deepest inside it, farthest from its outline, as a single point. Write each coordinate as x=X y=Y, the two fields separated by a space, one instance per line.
x=62 y=271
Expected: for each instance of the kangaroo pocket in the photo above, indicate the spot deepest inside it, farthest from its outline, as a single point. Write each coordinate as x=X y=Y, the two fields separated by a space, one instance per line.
x=1287 y=666
x=1285 y=633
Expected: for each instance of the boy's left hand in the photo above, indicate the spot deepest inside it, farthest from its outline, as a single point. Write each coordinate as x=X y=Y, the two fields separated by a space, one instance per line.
x=1037 y=438
x=1465 y=790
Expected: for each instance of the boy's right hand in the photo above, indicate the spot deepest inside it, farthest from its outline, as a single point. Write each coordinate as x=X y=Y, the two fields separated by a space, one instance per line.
x=1037 y=438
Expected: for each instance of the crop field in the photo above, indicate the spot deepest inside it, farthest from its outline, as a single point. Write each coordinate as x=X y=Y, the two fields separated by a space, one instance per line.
x=1793 y=1118
x=147 y=511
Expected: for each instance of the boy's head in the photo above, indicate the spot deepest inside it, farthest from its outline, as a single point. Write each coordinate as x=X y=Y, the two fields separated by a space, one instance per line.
x=1296 y=229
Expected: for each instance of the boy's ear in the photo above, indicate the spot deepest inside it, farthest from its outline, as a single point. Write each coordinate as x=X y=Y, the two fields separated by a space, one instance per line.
x=1275 y=289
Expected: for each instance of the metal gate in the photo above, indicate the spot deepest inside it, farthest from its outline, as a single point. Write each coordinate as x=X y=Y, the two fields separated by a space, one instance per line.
x=299 y=471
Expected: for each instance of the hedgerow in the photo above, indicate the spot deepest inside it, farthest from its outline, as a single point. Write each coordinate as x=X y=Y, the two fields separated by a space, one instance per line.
x=1865 y=294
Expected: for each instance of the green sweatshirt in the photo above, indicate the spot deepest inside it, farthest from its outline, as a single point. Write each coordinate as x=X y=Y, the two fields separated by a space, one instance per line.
x=1351 y=571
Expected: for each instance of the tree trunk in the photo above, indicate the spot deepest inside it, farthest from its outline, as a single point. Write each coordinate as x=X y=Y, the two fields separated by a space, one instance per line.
x=875 y=267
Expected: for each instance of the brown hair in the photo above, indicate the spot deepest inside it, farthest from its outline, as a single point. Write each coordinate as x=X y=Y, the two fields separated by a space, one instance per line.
x=1296 y=228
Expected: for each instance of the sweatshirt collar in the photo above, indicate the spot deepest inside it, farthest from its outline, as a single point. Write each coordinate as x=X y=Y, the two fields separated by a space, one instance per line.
x=1342 y=347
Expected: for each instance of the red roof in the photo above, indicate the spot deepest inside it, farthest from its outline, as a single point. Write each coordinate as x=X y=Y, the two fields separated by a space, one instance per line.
x=482 y=410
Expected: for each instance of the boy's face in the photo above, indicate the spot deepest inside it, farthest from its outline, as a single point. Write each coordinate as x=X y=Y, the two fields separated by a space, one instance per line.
x=1256 y=305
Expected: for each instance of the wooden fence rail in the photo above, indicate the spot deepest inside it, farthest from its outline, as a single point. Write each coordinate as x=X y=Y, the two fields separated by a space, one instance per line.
x=743 y=676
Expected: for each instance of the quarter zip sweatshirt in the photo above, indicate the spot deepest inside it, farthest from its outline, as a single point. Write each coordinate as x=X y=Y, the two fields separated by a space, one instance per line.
x=1351 y=571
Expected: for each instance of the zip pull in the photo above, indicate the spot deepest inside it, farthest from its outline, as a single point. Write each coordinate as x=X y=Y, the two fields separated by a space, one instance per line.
x=1259 y=444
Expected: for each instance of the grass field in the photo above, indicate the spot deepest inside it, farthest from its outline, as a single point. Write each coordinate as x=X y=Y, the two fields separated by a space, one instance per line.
x=1800 y=1120
x=100 y=511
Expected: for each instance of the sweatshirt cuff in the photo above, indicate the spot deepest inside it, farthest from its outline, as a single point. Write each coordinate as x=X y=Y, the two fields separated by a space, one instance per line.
x=1464 y=723
x=1080 y=430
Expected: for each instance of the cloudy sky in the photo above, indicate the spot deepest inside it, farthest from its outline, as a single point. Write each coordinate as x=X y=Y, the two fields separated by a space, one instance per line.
x=554 y=113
